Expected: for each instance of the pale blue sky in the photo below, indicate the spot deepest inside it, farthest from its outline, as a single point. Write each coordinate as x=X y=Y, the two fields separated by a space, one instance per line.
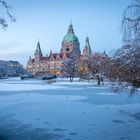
x=48 y=20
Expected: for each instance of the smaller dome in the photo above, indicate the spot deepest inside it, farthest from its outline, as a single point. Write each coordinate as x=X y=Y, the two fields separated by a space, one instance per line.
x=70 y=38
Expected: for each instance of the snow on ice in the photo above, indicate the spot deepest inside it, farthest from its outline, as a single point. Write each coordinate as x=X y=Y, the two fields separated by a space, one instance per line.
x=38 y=110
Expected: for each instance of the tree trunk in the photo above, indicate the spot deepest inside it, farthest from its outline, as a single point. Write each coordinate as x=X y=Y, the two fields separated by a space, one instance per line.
x=99 y=81
x=71 y=78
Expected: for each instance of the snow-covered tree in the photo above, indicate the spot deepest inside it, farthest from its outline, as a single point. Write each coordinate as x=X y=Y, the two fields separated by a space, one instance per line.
x=88 y=66
x=69 y=67
x=125 y=65
x=11 y=68
x=84 y=70
x=131 y=24
x=3 y=18
x=93 y=67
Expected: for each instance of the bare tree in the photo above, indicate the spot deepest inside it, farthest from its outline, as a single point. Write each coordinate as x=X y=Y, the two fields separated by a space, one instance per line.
x=125 y=68
x=3 y=20
x=131 y=24
x=85 y=70
x=69 y=67
x=94 y=67
x=125 y=65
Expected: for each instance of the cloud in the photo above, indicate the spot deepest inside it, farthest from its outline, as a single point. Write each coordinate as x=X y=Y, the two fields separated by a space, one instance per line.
x=8 y=45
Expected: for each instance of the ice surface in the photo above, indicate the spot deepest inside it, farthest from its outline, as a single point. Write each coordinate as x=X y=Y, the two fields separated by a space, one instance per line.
x=24 y=85
x=38 y=110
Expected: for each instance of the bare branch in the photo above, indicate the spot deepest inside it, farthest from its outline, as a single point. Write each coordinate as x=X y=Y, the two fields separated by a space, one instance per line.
x=131 y=23
x=3 y=21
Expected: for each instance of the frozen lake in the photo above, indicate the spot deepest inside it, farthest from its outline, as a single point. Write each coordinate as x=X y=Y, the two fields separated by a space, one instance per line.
x=37 y=110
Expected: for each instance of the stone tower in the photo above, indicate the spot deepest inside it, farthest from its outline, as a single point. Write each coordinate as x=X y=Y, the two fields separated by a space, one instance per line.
x=87 y=49
x=38 y=52
x=38 y=55
x=70 y=43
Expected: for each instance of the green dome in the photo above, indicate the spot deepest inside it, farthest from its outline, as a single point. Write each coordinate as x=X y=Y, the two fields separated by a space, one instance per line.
x=70 y=37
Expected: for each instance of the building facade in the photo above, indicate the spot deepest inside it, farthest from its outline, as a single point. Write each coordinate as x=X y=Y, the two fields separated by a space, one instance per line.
x=51 y=64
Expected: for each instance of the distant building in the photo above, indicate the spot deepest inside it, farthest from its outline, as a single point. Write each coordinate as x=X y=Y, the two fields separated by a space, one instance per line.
x=51 y=64
x=11 y=68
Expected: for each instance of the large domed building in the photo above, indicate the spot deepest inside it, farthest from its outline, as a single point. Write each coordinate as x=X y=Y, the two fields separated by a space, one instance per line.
x=51 y=64
x=70 y=43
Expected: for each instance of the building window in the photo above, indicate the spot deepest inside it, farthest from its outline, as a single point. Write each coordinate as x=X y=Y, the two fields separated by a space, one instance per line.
x=67 y=49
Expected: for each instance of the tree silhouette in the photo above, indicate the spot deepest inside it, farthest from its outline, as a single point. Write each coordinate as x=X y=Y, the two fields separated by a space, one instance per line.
x=3 y=19
x=125 y=65
x=131 y=24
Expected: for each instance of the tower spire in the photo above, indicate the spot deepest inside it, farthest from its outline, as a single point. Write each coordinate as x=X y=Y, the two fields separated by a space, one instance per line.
x=87 y=49
x=70 y=29
x=38 y=50
x=70 y=21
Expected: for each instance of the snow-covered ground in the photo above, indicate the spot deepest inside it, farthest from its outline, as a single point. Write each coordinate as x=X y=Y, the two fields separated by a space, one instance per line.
x=59 y=110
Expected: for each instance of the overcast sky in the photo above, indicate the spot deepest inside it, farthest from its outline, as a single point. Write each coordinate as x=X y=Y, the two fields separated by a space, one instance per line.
x=48 y=20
